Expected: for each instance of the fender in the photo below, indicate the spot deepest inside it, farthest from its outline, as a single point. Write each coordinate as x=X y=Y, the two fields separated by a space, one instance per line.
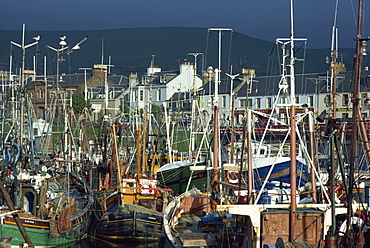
x=228 y=177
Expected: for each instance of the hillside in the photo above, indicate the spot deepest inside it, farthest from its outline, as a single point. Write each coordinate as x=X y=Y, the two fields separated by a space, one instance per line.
x=131 y=50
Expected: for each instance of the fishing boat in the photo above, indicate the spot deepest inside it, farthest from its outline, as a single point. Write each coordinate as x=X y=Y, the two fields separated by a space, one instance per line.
x=192 y=170
x=183 y=215
x=246 y=213
x=54 y=215
x=131 y=205
x=45 y=200
x=54 y=202
x=319 y=222
x=183 y=175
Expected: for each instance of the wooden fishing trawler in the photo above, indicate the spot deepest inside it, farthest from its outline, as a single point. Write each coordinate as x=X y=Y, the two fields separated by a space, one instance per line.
x=132 y=209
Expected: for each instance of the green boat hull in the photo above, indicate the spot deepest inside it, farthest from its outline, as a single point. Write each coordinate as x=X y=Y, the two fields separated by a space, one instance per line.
x=177 y=178
x=40 y=237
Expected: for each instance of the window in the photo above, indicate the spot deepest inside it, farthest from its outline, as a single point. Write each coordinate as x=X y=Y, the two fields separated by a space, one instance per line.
x=258 y=103
x=364 y=100
x=297 y=99
x=42 y=112
x=310 y=101
x=249 y=103
x=41 y=95
x=345 y=99
x=242 y=104
x=268 y=102
x=223 y=102
x=327 y=100
x=159 y=94
x=201 y=101
x=141 y=95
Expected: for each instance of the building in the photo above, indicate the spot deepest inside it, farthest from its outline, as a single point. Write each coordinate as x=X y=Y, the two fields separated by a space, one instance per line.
x=157 y=86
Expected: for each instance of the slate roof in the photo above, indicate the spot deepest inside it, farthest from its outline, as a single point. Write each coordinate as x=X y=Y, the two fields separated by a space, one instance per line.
x=119 y=80
x=305 y=84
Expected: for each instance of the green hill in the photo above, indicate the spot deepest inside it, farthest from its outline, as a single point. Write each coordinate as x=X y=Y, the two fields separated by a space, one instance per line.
x=131 y=50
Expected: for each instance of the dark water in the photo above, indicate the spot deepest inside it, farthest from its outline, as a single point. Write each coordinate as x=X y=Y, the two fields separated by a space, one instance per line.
x=87 y=243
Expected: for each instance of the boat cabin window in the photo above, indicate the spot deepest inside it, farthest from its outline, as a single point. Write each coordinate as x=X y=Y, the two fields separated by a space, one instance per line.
x=364 y=100
x=328 y=100
x=345 y=99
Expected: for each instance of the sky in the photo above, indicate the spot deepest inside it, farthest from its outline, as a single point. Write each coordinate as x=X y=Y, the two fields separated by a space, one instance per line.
x=263 y=19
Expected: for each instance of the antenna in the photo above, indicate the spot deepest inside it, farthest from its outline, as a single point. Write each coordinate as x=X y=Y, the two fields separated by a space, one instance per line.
x=102 y=51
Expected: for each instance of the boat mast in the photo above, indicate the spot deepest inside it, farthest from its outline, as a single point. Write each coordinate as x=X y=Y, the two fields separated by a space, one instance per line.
x=216 y=153
x=356 y=113
x=22 y=91
x=334 y=52
x=116 y=153
x=194 y=106
x=293 y=149
x=232 y=98
x=215 y=134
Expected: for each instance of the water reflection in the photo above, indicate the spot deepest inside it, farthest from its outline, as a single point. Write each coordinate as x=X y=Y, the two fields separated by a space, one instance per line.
x=93 y=243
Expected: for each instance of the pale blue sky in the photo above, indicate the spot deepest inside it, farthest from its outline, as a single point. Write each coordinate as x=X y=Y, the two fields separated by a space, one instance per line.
x=264 y=19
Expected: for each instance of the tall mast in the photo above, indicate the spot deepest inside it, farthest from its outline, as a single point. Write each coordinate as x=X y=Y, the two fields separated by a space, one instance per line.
x=232 y=77
x=21 y=104
x=334 y=51
x=293 y=150
x=22 y=80
x=194 y=106
x=216 y=153
x=356 y=114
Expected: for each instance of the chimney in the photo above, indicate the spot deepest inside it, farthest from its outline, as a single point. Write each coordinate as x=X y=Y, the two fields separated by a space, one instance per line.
x=133 y=80
x=99 y=71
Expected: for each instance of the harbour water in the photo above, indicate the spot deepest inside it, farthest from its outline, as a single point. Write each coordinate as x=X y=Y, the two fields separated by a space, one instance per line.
x=94 y=243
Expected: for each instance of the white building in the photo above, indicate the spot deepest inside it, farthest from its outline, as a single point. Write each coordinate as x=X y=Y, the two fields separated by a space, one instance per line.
x=158 y=86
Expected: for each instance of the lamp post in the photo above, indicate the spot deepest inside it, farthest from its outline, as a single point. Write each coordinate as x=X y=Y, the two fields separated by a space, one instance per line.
x=64 y=46
x=23 y=47
x=21 y=102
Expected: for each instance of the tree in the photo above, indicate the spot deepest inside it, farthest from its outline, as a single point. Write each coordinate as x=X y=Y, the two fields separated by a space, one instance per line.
x=78 y=103
x=157 y=111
